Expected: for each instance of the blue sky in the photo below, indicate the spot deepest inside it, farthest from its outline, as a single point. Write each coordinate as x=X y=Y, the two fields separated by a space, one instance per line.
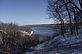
x=24 y=12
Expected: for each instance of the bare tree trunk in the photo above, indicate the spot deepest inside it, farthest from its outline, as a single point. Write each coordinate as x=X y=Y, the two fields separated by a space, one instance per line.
x=62 y=23
x=80 y=2
x=76 y=23
x=62 y=27
x=81 y=5
x=69 y=19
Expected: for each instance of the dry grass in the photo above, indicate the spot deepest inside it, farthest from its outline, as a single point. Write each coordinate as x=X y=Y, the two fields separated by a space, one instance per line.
x=13 y=42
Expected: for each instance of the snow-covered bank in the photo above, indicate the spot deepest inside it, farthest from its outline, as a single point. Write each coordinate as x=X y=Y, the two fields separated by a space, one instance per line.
x=69 y=44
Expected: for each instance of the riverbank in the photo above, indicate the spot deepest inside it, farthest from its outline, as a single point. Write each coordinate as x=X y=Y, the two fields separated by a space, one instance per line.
x=12 y=42
x=69 y=44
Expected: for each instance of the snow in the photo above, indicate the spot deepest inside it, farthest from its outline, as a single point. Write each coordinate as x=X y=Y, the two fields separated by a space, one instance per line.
x=69 y=44
x=26 y=33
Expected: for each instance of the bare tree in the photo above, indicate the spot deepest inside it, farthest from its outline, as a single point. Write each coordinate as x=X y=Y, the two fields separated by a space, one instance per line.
x=56 y=13
x=65 y=9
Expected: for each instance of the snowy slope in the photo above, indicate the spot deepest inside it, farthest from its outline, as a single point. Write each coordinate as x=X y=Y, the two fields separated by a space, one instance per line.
x=69 y=44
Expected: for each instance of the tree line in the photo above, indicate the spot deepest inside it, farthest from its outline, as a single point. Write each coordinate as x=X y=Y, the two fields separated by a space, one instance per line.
x=67 y=12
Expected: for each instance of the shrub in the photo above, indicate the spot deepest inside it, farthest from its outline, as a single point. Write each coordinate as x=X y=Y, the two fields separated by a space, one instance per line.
x=13 y=42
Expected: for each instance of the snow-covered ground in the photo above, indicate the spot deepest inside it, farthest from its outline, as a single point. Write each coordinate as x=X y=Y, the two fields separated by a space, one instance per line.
x=69 y=44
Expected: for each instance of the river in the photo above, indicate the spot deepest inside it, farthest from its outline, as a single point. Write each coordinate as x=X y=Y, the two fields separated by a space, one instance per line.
x=44 y=31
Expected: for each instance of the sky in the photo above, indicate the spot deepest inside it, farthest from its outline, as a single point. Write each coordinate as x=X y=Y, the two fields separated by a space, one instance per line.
x=24 y=12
